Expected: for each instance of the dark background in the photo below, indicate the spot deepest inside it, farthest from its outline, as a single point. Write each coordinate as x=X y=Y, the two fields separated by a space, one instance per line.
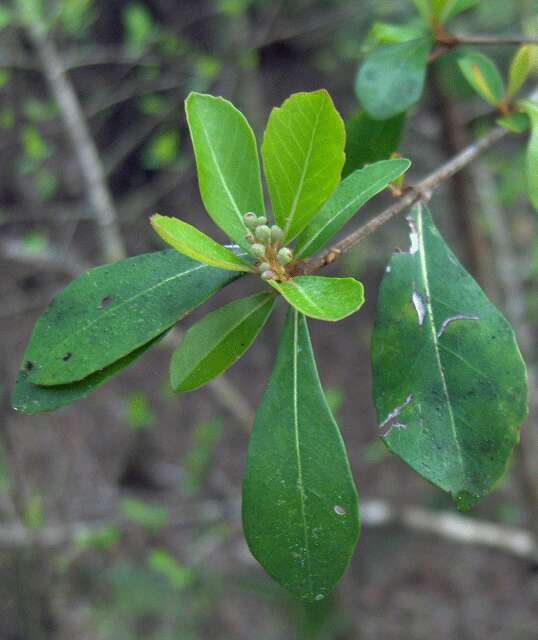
x=130 y=499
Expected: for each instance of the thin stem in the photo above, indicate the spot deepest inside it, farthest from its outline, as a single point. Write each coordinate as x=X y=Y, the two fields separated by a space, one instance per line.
x=421 y=191
x=494 y=39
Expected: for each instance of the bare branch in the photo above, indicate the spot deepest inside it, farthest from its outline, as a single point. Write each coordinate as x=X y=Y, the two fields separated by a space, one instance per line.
x=421 y=191
x=84 y=147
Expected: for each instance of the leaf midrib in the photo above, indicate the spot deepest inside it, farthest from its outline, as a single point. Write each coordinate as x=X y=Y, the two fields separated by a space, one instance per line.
x=431 y=324
x=300 y=480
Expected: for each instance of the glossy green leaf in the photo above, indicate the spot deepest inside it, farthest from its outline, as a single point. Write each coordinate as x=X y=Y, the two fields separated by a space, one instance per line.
x=483 y=76
x=391 y=78
x=388 y=33
x=369 y=140
x=517 y=122
x=300 y=512
x=227 y=163
x=191 y=242
x=217 y=341
x=329 y=299
x=303 y=156
x=349 y=196
x=519 y=70
x=450 y=385
x=110 y=311
x=531 y=108
x=30 y=398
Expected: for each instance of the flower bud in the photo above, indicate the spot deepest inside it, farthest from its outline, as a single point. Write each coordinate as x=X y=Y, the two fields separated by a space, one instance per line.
x=250 y=238
x=263 y=234
x=262 y=220
x=284 y=256
x=268 y=275
x=251 y=220
x=277 y=235
x=264 y=266
x=258 y=250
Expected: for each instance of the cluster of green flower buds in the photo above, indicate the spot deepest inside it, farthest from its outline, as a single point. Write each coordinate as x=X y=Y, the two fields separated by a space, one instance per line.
x=266 y=246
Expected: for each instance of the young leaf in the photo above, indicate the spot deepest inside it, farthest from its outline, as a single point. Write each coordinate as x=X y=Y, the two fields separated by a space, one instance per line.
x=349 y=196
x=423 y=7
x=300 y=512
x=369 y=141
x=110 y=311
x=303 y=156
x=517 y=122
x=387 y=33
x=519 y=70
x=531 y=109
x=30 y=398
x=216 y=342
x=450 y=385
x=392 y=77
x=482 y=74
x=329 y=299
x=227 y=163
x=191 y=242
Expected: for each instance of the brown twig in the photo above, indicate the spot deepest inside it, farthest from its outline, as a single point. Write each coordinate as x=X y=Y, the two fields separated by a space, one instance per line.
x=420 y=191
x=493 y=39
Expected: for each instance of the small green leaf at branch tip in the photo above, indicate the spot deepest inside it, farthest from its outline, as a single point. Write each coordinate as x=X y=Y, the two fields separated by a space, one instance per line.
x=449 y=383
x=300 y=507
x=191 y=242
x=351 y=194
x=517 y=122
x=519 y=70
x=216 y=342
x=391 y=79
x=303 y=156
x=227 y=163
x=322 y=298
x=483 y=76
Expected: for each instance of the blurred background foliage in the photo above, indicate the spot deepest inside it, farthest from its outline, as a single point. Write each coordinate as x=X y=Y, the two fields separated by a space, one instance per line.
x=156 y=475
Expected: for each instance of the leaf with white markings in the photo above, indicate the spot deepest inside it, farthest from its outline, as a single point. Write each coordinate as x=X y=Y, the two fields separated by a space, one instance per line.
x=300 y=511
x=444 y=404
x=303 y=156
x=216 y=342
x=322 y=298
x=350 y=195
x=110 y=311
x=191 y=242
x=227 y=163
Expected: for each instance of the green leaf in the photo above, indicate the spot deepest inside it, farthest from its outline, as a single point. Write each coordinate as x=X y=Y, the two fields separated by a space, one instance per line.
x=139 y=27
x=227 y=163
x=423 y=7
x=483 y=76
x=517 y=122
x=455 y=7
x=519 y=70
x=300 y=511
x=30 y=398
x=350 y=195
x=387 y=33
x=191 y=242
x=392 y=77
x=329 y=299
x=303 y=156
x=217 y=341
x=449 y=382
x=369 y=141
x=437 y=8
x=109 y=311
x=531 y=108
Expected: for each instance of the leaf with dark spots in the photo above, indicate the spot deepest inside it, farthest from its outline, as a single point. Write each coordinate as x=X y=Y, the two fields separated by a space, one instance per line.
x=151 y=292
x=30 y=399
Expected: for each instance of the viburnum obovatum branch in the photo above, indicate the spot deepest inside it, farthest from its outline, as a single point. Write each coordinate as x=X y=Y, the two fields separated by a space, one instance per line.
x=420 y=191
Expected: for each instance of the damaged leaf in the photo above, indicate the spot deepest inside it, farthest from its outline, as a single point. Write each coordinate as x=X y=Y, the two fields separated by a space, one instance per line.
x=450 y=385
x=110 y=311
x=300 y=511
